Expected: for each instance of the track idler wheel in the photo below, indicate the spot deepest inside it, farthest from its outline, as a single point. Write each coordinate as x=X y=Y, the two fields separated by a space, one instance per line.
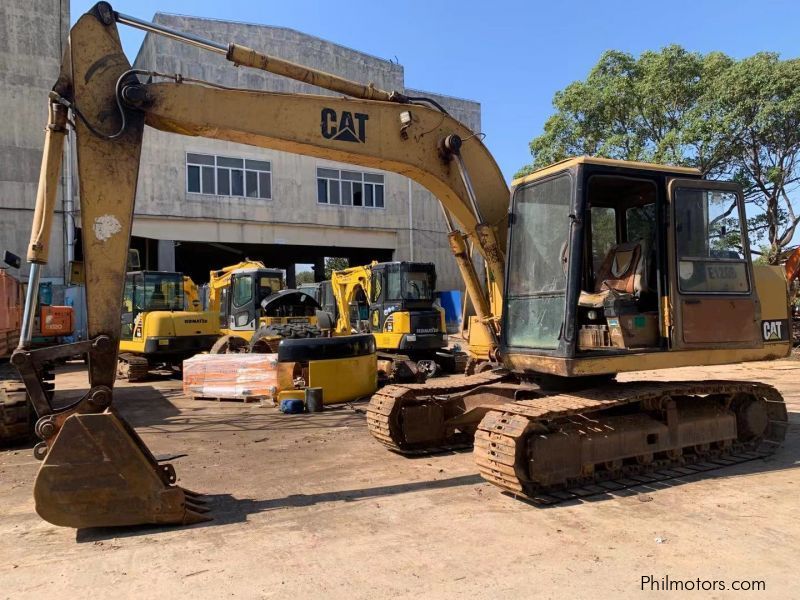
x=97 y=472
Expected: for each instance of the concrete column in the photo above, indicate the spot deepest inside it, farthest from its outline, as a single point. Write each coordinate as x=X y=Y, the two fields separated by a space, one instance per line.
x=290 y=279
x=319 y=268
x=166 y=255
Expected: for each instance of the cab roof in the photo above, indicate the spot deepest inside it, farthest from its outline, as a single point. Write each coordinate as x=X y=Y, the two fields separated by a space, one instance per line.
x=568 y=163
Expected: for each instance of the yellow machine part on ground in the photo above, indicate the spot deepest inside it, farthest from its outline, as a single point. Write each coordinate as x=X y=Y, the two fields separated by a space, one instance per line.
x=343 y=379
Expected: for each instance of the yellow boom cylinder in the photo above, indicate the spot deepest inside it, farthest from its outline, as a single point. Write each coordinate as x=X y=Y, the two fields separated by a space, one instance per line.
x=247 y=57
x=39 y=247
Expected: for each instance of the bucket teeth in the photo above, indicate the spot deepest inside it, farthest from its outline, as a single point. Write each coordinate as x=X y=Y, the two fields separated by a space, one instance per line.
x=200 y=508
x=192 y=494
x=191 y=517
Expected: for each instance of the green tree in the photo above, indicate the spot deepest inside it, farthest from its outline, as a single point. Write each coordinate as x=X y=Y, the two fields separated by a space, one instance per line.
x=334 y=263
x=304 y=277
x=730 y=119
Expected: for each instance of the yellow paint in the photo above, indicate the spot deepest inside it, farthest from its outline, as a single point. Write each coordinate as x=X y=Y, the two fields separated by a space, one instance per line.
x=773 y=292
x=644 y=361
x=344 y=379
x=169 y=324
x=569 y=163
x=478 y=340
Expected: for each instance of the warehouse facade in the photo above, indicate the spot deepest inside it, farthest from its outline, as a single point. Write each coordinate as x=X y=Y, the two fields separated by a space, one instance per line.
x=33 y=35
x=204 y=203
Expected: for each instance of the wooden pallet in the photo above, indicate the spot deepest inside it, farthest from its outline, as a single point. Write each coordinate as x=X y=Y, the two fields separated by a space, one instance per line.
x=243 y=400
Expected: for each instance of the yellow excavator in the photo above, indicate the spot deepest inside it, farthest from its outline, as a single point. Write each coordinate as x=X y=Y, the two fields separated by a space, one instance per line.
x=256 y=311
x=394 y=302
x=596 y=267
x=162 y=323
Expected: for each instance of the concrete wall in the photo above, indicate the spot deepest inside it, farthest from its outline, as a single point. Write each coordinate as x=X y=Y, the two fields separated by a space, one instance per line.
x=166 y=211
x=32 y=37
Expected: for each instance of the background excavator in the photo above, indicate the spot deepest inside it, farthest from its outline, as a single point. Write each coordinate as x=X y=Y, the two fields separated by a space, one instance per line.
x=394 y=301
x=255 y=311
x=563 y=307
x=162 y=323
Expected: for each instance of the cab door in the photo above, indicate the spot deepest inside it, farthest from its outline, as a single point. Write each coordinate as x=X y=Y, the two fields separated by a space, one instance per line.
x=242 y=302
x=713 y=300
x=376 y=315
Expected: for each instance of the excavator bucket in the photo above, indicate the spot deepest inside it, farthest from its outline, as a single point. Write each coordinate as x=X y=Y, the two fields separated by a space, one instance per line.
x=99 y=473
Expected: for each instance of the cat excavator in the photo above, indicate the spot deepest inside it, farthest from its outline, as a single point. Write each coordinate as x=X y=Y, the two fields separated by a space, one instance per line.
x=564 y=305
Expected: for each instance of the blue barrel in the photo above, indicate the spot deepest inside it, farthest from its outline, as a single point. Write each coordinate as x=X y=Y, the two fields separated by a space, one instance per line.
x=292 y=406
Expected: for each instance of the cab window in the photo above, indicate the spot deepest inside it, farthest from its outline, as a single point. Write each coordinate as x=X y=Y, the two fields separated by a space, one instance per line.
x=377 y=287
x=604 y=233
x=709 y=241
x=127 y=310
x=417 y=285
x=537 y=279
x=242 y=290
x=640 y=223
x=393 y=285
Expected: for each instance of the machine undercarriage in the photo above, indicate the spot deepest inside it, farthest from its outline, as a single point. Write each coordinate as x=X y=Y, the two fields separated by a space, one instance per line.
x=548 y=446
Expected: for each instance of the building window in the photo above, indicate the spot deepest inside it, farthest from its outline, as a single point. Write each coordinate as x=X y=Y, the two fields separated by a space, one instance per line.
x=227 y=176
x=350 y=188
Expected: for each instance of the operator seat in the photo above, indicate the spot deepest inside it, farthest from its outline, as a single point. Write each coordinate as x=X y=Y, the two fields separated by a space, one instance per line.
x=623 y=272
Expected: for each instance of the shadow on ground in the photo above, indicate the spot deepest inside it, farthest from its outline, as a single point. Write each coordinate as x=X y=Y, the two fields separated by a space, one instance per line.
x=226 y=509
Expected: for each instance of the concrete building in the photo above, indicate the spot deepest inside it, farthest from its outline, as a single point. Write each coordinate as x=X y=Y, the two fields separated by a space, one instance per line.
x=203 y=203
x=197 y=208
x=33 y=34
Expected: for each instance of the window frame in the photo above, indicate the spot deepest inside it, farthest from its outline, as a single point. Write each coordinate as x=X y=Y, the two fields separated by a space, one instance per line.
x=243 y=170
x=574 y=242
x=705 y=185
x=340 y=182
x=236 y=283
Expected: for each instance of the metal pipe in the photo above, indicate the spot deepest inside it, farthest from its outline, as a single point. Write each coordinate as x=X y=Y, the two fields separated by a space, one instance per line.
x=410 y=221
x=447 y=220
x=244 y=56
x=189 y=38
x=69 y=204
x=31 y=297
x=465 y=179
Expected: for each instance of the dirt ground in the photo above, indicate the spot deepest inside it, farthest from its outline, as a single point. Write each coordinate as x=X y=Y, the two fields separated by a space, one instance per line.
x=308 y=506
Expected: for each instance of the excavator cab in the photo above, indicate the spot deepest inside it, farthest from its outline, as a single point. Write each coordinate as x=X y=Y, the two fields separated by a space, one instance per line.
x=148 y=291
x=401 y=309
x=612 y=261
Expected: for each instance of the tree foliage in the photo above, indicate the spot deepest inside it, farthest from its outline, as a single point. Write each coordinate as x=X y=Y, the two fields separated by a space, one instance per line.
x=304 y=277
x=334 y=263
x=732 y=119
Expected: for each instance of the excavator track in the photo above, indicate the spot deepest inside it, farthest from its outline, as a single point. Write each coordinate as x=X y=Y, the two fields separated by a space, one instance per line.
x=512 y=443
x=387 y=406
x=132 y=367
x=16 y=414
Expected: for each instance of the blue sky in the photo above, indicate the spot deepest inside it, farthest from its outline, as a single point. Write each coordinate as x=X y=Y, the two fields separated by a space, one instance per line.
x=510 y=56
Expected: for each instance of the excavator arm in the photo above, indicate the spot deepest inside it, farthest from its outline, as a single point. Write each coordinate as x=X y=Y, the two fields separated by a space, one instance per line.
x=96 y=470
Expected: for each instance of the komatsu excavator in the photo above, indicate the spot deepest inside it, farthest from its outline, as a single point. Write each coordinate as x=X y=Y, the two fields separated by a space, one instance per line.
x=394 y=301
x=162 y=323
x=599 y=267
